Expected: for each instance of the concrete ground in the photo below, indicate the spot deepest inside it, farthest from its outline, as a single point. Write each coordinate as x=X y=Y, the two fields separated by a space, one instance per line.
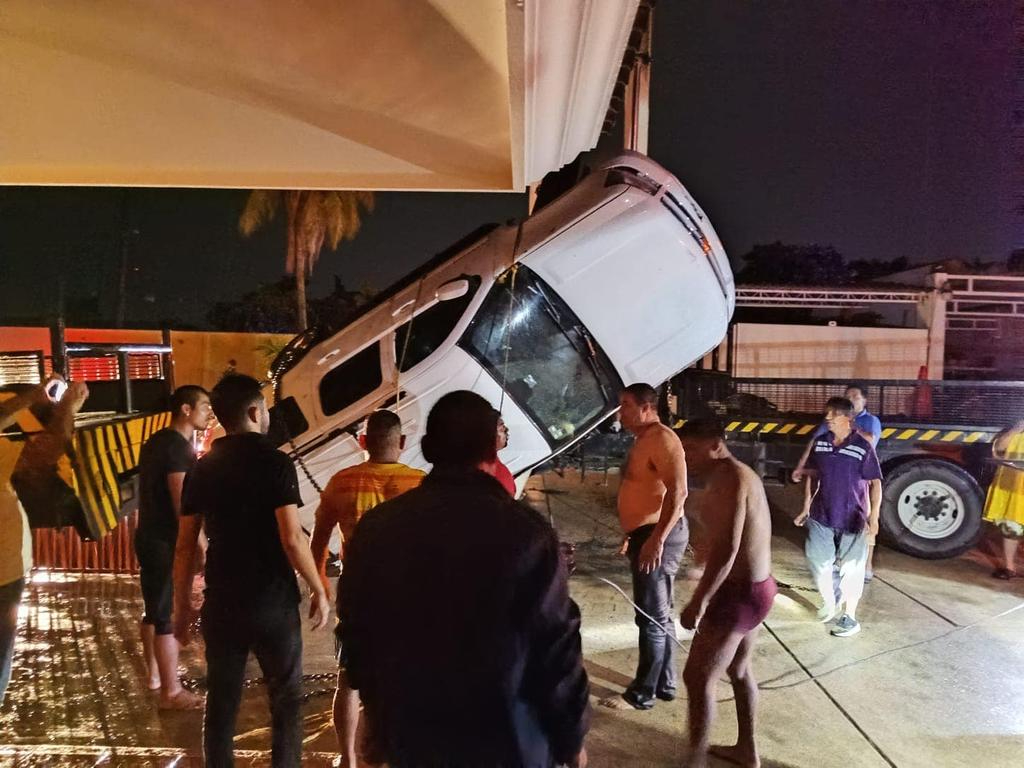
x=934 y=678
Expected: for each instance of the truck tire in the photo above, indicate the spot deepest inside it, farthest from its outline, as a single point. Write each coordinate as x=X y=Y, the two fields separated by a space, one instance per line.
x=930 y=509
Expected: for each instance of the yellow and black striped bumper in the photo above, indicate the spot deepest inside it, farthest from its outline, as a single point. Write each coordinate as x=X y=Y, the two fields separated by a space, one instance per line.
x=923 y=434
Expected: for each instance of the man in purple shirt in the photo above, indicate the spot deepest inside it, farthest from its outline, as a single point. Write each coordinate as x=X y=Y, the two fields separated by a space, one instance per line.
x=870 y=427
x=843 y=495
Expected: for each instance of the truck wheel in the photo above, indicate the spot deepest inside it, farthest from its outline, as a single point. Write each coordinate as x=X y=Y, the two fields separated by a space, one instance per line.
x=930 y=509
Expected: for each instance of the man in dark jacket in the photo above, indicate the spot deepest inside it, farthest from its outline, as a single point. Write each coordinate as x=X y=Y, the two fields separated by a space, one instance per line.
x=456 y=623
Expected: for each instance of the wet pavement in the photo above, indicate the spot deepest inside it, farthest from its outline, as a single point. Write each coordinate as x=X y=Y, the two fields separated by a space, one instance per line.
x=934 y=679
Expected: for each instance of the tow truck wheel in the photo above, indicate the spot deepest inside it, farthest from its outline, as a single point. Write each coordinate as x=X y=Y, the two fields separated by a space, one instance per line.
x=930 y=509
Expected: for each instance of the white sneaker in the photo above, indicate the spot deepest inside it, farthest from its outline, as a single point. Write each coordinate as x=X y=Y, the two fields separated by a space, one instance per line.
x=846 y=626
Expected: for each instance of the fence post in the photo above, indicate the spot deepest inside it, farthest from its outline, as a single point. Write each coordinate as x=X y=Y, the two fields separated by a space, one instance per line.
x=58 y=349
x=126 y=381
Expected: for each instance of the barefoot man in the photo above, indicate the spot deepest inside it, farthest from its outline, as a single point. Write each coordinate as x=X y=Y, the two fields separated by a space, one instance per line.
x=733 y=596
x=651 y=500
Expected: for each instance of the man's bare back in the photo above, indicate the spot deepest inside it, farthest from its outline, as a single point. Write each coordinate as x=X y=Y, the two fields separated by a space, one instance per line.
x=733 y=597
x=734 y=486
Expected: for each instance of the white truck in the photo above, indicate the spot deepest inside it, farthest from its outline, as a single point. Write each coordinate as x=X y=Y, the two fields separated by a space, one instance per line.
x=622 y=279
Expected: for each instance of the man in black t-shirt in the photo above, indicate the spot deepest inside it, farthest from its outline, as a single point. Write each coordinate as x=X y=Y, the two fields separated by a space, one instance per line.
x=496 y=676
x=246 y=493
x=163 y=463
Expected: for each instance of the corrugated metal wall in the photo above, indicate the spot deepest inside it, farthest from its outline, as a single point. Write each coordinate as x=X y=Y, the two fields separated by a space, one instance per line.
x=64 y=551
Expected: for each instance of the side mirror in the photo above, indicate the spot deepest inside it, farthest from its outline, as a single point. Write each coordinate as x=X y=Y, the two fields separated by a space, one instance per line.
x=453 y=289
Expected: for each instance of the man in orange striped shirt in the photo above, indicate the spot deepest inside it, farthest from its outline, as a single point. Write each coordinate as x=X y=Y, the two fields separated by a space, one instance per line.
x=349 y=495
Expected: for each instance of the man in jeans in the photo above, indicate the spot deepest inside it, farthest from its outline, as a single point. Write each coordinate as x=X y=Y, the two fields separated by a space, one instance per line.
x=870 y=427
x=651 y=497
x=843 y=495
x=247 y=494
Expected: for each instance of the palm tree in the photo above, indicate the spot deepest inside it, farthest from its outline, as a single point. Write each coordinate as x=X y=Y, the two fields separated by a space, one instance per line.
x=314 y=217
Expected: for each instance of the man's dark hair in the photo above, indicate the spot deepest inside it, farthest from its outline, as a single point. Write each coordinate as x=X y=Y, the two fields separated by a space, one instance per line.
x=232 y=398
x=702 y=429
x=462 y=430
x=381 y=428
x=858 y=386
x=187 y=395
x=840 y=405
x=643 y=394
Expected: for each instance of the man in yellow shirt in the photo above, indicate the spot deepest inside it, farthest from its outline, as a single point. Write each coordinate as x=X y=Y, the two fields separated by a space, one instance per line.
x=348 y=496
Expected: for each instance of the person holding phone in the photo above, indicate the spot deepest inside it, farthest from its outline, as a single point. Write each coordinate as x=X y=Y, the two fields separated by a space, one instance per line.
x=15 y=537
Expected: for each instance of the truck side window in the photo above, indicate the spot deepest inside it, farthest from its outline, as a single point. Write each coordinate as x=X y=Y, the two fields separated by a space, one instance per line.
x=351 y=381
x=430 y=328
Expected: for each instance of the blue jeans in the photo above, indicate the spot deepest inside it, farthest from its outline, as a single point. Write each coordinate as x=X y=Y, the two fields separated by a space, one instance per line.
x=10 y=599
x=656 y=667
x=825 y=547
x=273 y=633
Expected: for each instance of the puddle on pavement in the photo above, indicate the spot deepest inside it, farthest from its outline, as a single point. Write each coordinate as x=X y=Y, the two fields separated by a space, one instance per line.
x=77 y=697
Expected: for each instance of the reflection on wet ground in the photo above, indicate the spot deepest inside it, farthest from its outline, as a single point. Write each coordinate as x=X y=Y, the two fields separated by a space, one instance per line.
x=77 y=696
x=931 y=681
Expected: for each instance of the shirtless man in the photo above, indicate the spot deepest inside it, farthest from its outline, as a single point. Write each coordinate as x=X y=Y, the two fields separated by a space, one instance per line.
x=651 y=498
x=734 y=595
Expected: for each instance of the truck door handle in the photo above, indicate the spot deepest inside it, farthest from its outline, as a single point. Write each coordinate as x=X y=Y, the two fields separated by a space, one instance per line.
x=402 y=308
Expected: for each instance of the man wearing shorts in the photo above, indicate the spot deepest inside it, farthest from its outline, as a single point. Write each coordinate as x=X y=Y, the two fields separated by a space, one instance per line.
x=349 y=495
x=842 y=499
x=733 y=596
x=650 y=504
x=164 y=461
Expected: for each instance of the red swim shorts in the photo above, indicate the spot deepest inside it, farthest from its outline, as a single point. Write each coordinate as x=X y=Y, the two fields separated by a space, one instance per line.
x=741 y=606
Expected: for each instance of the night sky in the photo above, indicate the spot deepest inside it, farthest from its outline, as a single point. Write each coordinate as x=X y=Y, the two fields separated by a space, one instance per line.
x=882 y=128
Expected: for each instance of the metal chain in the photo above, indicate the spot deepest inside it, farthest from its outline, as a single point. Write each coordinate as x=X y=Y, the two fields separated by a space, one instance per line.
x=405 y=346
x=291 y=440
x=199 y=683
x=514 y=269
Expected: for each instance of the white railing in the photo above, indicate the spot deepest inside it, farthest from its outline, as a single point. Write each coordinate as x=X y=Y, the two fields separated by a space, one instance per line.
x=967 y=296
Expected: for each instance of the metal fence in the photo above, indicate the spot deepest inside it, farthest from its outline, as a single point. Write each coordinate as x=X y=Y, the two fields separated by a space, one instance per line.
x=995 y=404
x=21 y=368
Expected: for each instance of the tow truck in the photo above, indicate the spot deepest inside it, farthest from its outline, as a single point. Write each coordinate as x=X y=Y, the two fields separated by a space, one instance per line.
x=935 y=447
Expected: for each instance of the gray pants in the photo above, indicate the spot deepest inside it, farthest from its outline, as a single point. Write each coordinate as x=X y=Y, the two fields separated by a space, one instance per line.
x=825 y=547
x=656 y=666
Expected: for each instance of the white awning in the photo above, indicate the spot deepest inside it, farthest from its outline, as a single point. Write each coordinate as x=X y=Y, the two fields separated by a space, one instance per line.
x=338 y=94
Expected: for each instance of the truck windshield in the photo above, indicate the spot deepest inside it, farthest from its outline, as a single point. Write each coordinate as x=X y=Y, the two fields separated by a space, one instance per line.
x=531 y=342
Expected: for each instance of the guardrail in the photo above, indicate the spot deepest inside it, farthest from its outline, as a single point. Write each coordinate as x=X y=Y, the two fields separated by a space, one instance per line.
x=995 y=404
